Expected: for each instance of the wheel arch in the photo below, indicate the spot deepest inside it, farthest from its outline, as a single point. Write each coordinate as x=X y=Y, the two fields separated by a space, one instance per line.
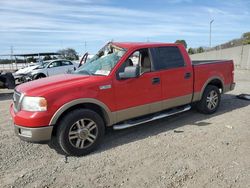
x=39 y=74
x=91 y=104
x=215 y=81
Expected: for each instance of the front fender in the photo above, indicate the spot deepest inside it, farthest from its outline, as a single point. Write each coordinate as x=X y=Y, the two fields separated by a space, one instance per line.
x=109 y=115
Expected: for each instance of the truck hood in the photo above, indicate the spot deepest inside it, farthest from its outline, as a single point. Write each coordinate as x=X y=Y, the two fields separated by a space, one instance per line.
x=45 y=85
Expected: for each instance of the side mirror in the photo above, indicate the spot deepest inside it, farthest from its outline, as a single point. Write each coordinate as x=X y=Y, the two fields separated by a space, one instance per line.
x=130 y=72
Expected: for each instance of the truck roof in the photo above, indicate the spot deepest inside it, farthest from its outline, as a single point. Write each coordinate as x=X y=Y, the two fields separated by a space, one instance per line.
x=128 y=45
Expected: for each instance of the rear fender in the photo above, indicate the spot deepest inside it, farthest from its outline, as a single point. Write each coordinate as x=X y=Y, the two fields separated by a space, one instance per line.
x=198 y=95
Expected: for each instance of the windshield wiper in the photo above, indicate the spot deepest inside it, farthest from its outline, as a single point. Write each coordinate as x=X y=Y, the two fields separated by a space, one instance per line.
x=85 y=71
x=82 y=72
x=98 y=74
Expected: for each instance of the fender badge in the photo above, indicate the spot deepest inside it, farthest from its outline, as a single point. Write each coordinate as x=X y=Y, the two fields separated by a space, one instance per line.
x=105 y=87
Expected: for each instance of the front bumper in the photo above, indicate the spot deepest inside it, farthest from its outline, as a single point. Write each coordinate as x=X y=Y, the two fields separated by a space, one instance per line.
x=39 y=134
x=232 y=86
x=22 y=78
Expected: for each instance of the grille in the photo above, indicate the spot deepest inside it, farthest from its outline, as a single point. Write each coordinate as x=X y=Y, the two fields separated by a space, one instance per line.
x=16 y=100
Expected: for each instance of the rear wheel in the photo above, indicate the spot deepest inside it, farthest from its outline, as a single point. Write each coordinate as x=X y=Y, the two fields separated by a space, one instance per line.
x=210 y=100
x=80 y=132
x=39 y=76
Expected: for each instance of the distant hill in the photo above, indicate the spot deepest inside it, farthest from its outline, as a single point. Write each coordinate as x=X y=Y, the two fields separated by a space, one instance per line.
x=244 y=40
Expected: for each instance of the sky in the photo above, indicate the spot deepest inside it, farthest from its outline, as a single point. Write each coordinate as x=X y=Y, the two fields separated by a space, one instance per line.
x=86 y=25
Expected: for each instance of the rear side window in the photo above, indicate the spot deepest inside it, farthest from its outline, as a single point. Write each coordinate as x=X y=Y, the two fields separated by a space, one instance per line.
x=167 y=57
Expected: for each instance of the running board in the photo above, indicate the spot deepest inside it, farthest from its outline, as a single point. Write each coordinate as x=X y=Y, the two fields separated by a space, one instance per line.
x=151 y=118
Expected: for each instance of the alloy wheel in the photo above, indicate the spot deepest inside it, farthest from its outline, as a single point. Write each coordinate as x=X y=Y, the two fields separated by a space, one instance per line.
x=212 y=100
x=83 y=133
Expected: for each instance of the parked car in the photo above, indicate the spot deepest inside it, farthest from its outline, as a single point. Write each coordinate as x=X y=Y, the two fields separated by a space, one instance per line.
x=21 y=74
x=50 y=68
x=124 y=85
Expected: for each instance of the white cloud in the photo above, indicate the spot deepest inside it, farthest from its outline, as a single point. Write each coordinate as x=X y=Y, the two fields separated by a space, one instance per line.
x=34 y=23
x=179 y=1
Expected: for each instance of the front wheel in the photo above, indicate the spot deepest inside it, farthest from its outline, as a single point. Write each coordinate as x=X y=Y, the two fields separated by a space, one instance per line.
x=210 y=100
x=39 y=76
x=80 y=132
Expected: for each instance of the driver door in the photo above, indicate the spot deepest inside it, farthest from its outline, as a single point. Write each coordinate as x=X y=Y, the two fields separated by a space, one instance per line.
x=137 y=96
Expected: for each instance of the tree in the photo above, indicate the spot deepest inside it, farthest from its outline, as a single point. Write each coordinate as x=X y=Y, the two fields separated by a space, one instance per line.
x=31 y=59
x=245 y=42
x=181 y=42
x=47 y=57
x=5 y=61
x=200 y=50
x=246 y=35
x=191 y=51
x=246 y=38
x=68 y=53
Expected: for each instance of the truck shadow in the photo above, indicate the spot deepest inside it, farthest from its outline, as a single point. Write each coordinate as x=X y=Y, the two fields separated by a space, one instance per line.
x=114 y=138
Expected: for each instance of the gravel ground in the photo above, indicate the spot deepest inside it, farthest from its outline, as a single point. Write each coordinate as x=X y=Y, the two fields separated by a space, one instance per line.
x=187 y=150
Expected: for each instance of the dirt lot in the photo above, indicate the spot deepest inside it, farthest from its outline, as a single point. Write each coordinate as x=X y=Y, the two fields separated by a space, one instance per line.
x=187 y=150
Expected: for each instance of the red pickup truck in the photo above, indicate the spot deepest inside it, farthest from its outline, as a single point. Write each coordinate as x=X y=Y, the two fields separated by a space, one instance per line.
x=123 y=85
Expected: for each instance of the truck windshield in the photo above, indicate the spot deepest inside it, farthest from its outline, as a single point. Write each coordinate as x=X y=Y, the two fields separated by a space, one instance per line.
x=103 y=62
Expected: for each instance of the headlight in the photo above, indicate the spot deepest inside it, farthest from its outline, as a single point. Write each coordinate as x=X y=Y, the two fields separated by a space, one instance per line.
x=34 y=104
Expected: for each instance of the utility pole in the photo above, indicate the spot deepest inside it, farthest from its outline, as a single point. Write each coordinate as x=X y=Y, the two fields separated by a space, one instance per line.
x=210 y=33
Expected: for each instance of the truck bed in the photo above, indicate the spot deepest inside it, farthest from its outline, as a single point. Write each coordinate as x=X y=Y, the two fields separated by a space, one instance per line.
x=200 y=62
x=205 y=70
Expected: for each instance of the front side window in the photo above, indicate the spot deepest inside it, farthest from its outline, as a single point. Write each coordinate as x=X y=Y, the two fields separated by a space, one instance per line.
x=55 y=64
x=66 y=63
x=167 y=57
x=103 y=62
x=138 y=58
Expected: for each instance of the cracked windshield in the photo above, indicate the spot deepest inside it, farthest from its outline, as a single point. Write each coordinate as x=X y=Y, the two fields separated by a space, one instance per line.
x=103 y=62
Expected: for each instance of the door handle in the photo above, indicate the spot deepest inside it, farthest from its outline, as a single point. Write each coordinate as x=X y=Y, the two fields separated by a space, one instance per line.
x=187 y=75
x=156 y=80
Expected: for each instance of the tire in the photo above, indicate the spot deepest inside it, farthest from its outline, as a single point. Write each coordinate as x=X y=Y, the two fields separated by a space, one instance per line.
x=80 y=132
x=10 y=81
x=7 y=81
x=210 y=100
